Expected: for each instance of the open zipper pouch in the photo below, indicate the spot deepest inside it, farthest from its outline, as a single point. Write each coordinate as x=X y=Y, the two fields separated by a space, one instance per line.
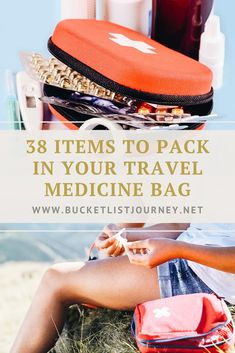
x=186 y=323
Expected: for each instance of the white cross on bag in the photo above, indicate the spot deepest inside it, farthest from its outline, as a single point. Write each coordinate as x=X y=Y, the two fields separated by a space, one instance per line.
x=127 y=42
x=163 y=312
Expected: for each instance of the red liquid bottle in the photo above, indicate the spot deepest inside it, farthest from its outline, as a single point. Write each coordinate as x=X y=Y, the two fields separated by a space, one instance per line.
x=178 y=24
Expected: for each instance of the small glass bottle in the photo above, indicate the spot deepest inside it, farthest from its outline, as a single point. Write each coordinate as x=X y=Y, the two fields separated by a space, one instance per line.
x=178 y=24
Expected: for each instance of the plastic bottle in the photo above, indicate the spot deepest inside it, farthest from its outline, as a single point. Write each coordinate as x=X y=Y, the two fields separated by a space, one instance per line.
x=134 y=14
x=212 y=50
x=82 y=9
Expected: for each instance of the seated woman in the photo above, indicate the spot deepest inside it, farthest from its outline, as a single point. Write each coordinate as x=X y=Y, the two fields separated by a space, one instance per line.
x=164 y=260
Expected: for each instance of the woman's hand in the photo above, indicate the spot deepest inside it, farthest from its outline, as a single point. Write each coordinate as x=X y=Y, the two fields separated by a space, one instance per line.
x=105 y=241
x=153 y=252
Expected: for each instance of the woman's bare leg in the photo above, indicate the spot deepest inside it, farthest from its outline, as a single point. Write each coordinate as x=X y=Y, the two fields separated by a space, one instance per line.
x=112 y=283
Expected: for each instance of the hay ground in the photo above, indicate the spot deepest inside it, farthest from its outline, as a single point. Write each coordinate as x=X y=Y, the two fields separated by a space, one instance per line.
x=96 y=331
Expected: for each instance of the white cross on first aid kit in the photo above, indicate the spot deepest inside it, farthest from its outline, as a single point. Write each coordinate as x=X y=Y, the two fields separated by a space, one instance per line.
x=127 y=42
x=163 y=312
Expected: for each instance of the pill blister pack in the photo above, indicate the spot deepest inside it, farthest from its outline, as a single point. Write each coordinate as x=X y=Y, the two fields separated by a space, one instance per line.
x=104 y=109
x=53 y=72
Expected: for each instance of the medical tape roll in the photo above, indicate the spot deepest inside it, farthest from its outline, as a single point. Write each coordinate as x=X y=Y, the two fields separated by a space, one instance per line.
x=91 y=124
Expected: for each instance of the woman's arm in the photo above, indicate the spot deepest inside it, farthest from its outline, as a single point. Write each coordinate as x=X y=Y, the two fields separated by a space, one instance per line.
x=157 y=251
x=220 y=258
x=161 y=230
x=130 y=225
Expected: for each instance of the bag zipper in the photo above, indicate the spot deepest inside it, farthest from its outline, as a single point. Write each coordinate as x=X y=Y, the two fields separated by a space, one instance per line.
x=105 y=82
x=153 y=343
x=184 y=347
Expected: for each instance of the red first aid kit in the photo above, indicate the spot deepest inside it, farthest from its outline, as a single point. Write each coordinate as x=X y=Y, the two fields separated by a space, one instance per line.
x=130 y=64
x=183 y=324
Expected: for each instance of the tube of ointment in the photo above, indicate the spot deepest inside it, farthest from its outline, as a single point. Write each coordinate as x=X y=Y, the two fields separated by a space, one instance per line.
x=13 y=110
x=124 y=242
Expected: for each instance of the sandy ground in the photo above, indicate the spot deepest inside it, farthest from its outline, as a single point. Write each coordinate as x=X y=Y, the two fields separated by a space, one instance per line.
x=18 y=282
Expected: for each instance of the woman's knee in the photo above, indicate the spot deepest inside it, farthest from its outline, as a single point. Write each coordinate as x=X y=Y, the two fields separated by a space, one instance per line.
x=55 y=279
